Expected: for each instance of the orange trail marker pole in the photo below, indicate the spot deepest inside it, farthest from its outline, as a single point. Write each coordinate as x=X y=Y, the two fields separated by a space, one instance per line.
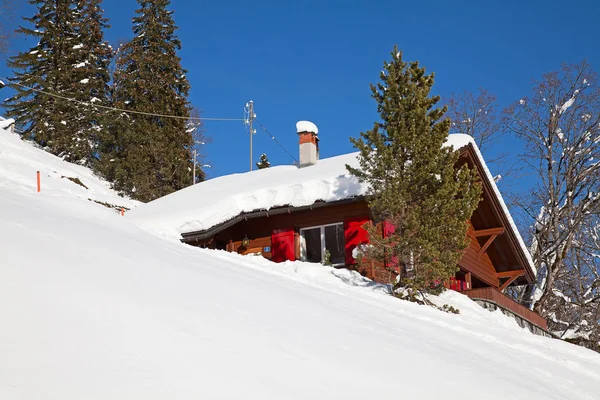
x=122 y=212
x=38 y=182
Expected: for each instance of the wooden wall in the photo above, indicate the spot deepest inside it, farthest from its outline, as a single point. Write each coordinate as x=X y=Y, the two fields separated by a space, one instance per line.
x=481 y=267
x=259 y=230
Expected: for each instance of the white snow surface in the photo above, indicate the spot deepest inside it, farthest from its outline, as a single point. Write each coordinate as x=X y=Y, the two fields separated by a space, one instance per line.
x=217 y=200
x=20 y=161
x=306 y=126
x=93 y=307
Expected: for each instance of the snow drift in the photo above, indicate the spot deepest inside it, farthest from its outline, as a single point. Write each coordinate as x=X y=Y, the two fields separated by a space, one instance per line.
x=20 y=160
x=93 y=307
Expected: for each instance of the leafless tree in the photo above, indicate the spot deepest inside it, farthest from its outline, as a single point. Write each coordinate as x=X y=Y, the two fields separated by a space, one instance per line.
x=560 y=126
x=575 y=302
x=475 y=114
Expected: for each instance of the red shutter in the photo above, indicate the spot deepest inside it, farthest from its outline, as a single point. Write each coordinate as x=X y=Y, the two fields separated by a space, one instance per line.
x=388 y=230
x=282 y=245
x=354 y=235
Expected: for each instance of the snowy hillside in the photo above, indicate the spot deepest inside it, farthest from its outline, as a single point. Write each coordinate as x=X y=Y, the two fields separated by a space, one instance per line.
x=19 y=162
x=94 y=307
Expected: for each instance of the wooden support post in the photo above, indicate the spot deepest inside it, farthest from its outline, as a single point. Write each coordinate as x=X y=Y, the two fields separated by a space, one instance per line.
x=39 y=187
x=511 y=275
x=508 y=282
x=297 y=250
x=468 y=280
x=486 y=245
x=489 y=232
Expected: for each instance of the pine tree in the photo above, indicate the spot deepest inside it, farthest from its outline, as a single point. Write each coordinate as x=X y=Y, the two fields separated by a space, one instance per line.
x=47 y=67
x=149 y=156
x=415 y=189
x=64 y=62
x=91 y=76
x=263 y=162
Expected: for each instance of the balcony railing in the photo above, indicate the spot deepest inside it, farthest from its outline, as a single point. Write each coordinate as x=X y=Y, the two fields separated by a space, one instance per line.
x=490 y=294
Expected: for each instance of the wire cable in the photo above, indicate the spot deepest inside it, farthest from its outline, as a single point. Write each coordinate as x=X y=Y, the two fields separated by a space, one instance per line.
x=276 y=141
x=87 y=103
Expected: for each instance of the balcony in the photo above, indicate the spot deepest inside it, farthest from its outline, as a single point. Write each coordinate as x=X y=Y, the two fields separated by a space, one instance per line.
x=490 y=297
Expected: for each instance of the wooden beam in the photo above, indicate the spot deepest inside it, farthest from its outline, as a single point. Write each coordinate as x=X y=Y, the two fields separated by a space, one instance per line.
x=297 y=244
x=486 y=245
x=510 y=274
x=508 y=282
x=468 y=279
x=489 y=232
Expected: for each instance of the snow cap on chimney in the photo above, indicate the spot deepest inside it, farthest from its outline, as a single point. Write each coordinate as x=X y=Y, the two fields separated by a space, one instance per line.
x=309 y=143
x=306 y=126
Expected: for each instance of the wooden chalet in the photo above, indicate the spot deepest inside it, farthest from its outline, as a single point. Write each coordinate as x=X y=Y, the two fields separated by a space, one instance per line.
x=333 y=224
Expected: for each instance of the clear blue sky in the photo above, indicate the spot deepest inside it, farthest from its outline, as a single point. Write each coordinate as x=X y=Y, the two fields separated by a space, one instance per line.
x=315 y=59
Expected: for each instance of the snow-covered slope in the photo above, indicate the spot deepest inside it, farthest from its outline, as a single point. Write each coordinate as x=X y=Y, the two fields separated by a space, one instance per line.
x=93 y=307
x=19 y=162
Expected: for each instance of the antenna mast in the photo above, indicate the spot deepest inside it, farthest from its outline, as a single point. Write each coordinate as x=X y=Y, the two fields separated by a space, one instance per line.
x=249 y=121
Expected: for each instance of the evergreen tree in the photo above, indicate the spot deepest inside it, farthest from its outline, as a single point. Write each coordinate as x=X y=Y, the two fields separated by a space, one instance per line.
x=415 y=189
x=47 y=66
x=91 y=75
x=64 y=63
x=149 y=156
x=263 y=162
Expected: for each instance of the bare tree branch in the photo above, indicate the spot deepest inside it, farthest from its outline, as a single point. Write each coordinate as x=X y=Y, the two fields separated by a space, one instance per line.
x=560 y=125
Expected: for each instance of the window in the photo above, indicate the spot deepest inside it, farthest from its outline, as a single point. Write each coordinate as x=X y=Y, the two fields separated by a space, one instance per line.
x=318 y=240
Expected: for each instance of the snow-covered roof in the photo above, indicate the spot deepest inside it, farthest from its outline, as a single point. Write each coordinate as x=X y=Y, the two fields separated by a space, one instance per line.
x=210 y=203
x=217 y=200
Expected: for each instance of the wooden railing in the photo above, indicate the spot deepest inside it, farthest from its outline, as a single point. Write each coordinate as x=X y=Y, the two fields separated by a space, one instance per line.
x=491 y=294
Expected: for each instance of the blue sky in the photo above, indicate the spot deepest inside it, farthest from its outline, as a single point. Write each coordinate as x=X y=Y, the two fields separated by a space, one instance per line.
x=315 y=59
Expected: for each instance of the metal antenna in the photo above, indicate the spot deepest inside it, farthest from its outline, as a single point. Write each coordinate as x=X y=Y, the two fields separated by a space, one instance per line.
x=249 y=109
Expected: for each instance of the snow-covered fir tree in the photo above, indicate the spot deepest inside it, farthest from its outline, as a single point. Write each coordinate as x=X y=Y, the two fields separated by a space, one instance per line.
x=47 y=66
x=150 y=156
x=69 y=61
x=263 y=162
x=91 y=75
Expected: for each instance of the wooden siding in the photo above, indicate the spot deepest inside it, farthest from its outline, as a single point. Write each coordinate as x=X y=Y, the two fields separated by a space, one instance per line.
x=481 y=267
x=259 y=230
x=493 y=295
